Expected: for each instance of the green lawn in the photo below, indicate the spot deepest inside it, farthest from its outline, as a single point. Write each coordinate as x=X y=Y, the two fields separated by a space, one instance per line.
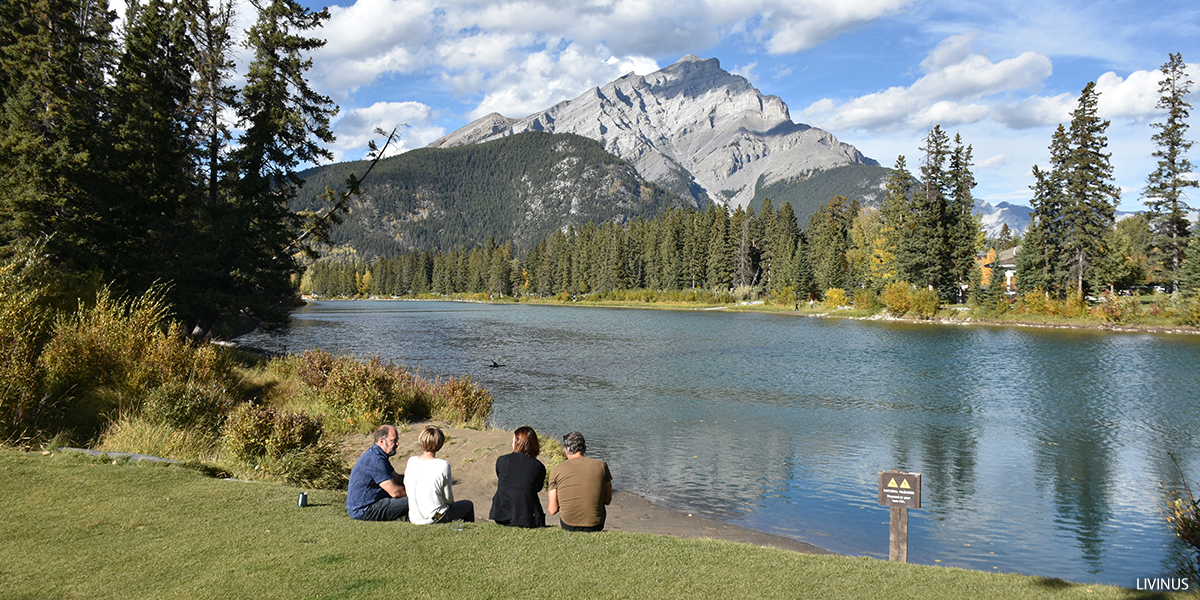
x=74 y=527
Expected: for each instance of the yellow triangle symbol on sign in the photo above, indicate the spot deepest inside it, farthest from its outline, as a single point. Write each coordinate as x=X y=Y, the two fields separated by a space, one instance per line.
x=892 y=483
x=904 y=484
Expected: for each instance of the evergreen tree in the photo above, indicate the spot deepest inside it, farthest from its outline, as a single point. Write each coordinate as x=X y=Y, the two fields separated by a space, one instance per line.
x=1004 y=240
x=924 y=256
x=782 y=247
x=55 y=59
x=1042 y=262
x=745 y=254
x=1166 y=186
x=1189 y=278
x=1035 y=261
x=894 y=223
x=719 y=255
x=963 y=226
x=285 y=124
x=828 y=236
x=806 y=286
x=1125 y=262
x=150 y=210
x=1091 y=196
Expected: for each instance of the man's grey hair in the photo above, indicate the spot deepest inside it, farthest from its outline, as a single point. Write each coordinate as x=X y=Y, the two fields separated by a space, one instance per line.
x=383 y=432
x=573 y=443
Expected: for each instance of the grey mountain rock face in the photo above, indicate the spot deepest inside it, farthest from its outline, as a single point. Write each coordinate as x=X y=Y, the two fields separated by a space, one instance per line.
x=692 y=127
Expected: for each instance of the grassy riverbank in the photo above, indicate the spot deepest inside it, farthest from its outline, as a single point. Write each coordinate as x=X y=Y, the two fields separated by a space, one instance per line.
x=958 y=314
x=75 y=527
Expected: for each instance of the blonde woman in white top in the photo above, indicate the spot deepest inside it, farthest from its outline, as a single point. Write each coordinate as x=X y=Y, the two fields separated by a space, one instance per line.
x=427 y=480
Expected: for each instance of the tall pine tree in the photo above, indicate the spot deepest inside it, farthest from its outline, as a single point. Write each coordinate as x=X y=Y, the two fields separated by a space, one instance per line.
x=1166 y=187
x=1090 y=194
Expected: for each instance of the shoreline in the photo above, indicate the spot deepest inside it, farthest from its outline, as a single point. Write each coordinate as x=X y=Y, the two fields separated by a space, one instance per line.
x=759 y=307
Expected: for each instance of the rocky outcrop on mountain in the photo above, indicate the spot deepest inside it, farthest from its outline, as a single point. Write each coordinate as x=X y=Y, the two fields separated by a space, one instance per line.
x=692 y=127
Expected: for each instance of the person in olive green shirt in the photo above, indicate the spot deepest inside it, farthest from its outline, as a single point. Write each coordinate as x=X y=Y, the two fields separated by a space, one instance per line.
x=580 y=487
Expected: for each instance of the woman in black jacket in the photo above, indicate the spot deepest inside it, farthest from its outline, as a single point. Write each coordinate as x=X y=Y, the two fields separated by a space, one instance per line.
x=520 y=477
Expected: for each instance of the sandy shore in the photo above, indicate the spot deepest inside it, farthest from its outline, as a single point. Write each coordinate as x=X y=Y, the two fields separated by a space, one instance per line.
x=472 y=456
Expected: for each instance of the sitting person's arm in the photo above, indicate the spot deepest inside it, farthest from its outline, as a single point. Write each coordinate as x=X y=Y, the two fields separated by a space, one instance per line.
x=394 y=486
x=553 y=507
x=607 y=492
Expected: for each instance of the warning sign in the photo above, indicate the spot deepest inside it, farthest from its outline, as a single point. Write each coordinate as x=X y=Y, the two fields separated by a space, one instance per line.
x=900 y=489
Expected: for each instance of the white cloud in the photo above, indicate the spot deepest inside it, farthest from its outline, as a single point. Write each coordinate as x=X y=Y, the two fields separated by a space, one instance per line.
x=790 y=26
x=1132 y=97
x=379 y=38
x=1035 y=111
x=746 y=71
x=357 y=128
x=956 y=78
x=993 y=162
x=545 y=78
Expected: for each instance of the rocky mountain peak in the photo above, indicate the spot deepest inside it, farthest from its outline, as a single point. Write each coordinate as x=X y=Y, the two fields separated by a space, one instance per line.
x=693 y=127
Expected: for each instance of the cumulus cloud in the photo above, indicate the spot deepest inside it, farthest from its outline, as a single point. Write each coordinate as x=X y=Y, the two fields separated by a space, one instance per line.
x=1035 y=111
x=956 y=78
x=789 y=27
x=1133 y=97
x=357 y=127
x=377 y=38
x=545 y=78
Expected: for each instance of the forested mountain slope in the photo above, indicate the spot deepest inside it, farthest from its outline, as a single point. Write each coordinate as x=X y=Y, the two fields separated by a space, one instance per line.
x=864 y=183
x=519 y=188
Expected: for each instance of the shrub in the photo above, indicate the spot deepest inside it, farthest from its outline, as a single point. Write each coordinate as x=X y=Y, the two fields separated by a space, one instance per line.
x=897 y=297
x=368 y=394
x=552 y=450
x=461 y=401
x=361 y=395
x=318 y=466
x=106 y=358
x=1180 y=507
x=1118 y=309
x=865 y=299
x=835 y=297
x=283 y=446
x=254 y=432
x=1036 y=302
x=1073 y=307
x=24 y=330
x=189 y=404
x=745 y=293
x=1191 y=311
x=925 y=302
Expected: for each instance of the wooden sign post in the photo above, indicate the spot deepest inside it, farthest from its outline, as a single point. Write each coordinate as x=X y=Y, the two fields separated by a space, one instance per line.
x=900 y=491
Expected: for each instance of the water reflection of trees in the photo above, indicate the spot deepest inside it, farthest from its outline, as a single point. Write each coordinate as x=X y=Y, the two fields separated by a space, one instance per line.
x=1074 y=441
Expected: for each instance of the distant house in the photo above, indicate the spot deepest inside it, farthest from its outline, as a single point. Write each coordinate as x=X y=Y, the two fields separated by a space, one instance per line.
x=1005 y=262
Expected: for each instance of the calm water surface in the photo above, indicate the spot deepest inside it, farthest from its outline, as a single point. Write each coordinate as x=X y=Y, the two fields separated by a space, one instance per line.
x=1039 y=449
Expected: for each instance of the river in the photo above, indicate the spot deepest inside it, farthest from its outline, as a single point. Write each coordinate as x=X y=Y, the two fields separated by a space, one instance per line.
x=1041 y=450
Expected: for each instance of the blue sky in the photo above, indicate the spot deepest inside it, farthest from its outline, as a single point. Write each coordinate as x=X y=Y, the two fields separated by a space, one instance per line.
x=875 y=73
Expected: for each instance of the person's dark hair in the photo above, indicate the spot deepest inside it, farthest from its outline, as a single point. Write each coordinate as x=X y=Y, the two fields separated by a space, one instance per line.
x=382 y=432
x=525 y=441
x=573 y=443
x=431 y=439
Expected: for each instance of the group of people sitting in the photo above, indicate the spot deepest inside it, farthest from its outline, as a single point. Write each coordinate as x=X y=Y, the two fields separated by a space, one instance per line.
x=580 y=487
